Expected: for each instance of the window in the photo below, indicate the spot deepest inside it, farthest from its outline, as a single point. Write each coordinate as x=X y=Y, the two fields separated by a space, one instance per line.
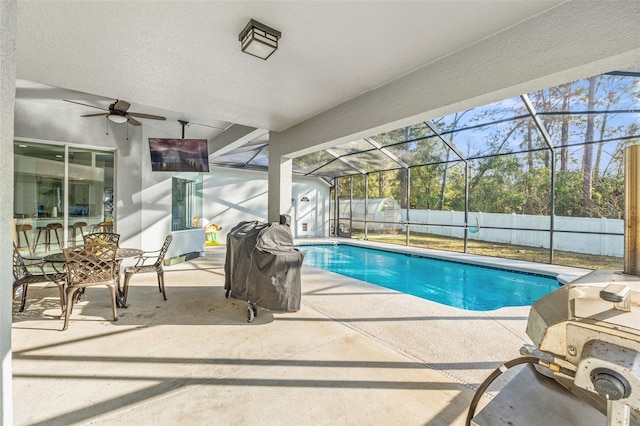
x=186 y=203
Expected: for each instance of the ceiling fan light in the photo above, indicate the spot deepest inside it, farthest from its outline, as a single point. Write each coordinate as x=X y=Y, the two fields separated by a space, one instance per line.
x=117 y=118
x=258 y=39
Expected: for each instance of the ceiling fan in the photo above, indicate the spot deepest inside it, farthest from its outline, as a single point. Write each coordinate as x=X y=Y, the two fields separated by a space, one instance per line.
x=118 y=113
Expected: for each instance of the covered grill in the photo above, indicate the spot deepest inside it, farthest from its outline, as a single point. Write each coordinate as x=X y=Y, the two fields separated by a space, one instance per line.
x=262 y=267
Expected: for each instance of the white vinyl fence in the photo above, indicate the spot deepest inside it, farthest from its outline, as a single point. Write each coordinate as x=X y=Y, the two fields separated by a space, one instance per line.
x=605 y=245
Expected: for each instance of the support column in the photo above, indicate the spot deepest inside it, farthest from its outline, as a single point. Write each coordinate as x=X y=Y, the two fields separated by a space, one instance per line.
x=8 y=19
x=280 y=170
x=632 y=210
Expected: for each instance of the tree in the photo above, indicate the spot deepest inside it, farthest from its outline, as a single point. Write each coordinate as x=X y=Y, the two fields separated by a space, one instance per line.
x=590 y=123
x=565 y=93
x=587 y=159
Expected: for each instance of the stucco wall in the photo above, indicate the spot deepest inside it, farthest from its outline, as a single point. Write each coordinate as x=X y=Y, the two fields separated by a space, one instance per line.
x=143 y=198
x=232 y=196
x=8 y=22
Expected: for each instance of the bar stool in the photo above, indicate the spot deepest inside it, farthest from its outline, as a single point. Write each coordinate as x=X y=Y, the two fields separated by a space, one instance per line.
x=24 y=229
x=76 y=228
x=103 y=227
x=52 y=227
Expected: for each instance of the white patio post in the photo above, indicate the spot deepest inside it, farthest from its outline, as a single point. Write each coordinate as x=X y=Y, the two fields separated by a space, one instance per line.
x=280 y=175
x=8 y=19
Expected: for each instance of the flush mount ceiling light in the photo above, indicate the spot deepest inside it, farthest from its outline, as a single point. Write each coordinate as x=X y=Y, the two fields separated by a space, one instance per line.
x=258 y=39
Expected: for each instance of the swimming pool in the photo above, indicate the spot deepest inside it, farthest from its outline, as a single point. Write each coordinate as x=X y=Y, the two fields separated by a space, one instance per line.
x=470 y=287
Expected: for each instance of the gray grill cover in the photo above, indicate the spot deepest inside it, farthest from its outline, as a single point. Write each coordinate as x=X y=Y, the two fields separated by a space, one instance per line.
x=262 y=266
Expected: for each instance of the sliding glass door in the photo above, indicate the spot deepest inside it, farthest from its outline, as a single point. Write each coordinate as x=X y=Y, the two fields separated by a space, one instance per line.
x=60 y=193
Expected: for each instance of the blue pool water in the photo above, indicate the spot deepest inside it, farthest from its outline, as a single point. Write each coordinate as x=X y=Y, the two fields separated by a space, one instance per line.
x=465 y=286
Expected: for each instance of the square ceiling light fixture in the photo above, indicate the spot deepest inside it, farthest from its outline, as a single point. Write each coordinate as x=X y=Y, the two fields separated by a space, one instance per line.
x=259 y=40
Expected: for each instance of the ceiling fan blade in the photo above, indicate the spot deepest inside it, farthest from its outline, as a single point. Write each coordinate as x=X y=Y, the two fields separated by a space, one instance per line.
x=134 y=122
x=95 y=115
x=149 y=116
x=80 y=103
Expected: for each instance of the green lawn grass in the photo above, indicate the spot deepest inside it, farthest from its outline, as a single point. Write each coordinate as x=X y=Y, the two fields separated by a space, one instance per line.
x=508 y=251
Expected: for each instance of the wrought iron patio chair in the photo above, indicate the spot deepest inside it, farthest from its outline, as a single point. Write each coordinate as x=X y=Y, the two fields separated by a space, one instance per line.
x=24 y=275
x=149 y=261
x=88 y=266
x=104 y=238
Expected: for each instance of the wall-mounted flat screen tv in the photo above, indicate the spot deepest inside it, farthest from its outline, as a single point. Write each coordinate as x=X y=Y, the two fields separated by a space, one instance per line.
x=179 y=155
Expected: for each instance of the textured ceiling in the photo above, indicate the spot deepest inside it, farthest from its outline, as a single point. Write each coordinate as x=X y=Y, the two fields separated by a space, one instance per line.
x=182 y=59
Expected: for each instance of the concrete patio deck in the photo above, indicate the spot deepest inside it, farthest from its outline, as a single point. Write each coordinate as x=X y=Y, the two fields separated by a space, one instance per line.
x=354 y=354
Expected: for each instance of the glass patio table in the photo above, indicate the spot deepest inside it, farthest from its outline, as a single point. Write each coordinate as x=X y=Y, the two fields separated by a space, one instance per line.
x=121 y=253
